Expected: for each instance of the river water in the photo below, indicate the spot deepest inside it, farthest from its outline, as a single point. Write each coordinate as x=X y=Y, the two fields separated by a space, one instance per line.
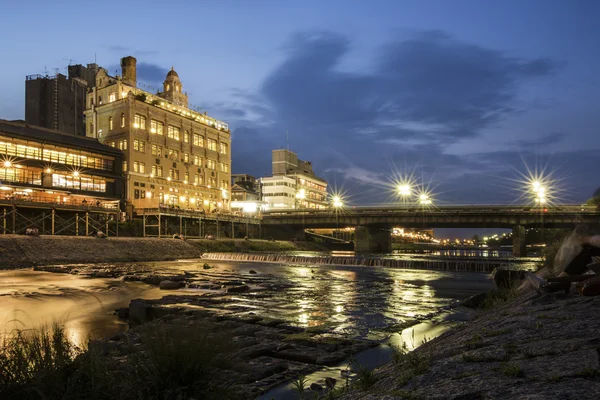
x=357 y=301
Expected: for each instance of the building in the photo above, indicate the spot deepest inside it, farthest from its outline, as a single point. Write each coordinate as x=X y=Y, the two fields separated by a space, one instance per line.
x=246 y=193
x=59 y=102
x=40 y=165
x=293 y=184
x=174 y=156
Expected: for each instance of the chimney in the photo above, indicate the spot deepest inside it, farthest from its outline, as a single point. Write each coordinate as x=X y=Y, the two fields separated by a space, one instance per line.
x=129 y=71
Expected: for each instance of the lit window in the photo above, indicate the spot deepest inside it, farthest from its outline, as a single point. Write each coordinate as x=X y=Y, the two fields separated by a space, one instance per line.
x=186 y=137
x=156 y=127
x=187 y=177
x=123 y=144
x=125 y=165
x=186 y=158
x=112 y=97
x=212 y=144
x=110 y=123
x=139 y=122
x=174 y=132
x=224 y=167
x=156 y=150
x=210 y=164
x=198 y=140
x=122 y=120
x=223 y=148
x=176 y=175
x=197 y=160
x=174 y=155
x=139 y=145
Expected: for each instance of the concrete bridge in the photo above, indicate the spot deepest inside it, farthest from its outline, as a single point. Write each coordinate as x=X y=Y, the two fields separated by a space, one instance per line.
x=373 y=224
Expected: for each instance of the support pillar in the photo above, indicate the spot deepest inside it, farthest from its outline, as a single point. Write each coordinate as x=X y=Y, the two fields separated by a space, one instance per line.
x=518 y=236
x=159 y=225
x=232 y=230
x=87 y=224
x=106 y=216
x=217 y=228
x=14 y=219
x=76 y=224
x=372 y=240
x=200 y=227
x=180 y=224
x=247 y=230
x=53 y=212
x=4 y=222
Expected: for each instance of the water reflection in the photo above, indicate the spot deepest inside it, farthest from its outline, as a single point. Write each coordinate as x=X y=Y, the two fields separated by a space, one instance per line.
x=350 y=300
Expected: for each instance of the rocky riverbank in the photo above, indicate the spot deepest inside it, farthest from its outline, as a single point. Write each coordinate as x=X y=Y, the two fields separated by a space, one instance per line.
x=18 y=251
x=536 y=347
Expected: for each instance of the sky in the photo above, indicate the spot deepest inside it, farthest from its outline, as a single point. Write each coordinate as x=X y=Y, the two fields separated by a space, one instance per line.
x=467 y=99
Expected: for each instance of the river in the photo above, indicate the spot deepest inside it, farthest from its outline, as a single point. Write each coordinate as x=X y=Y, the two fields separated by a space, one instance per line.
x=357 y=301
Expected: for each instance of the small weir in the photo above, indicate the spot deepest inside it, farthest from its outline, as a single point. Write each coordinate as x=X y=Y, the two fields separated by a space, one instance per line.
x=460 y=264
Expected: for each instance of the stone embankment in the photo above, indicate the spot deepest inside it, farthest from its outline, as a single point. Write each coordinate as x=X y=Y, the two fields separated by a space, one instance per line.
x=535 y=347
x=25 y=251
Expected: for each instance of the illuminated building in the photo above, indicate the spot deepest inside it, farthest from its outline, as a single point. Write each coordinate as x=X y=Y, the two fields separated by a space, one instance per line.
x=293 y=184
x=174 y=156
x=40 y=165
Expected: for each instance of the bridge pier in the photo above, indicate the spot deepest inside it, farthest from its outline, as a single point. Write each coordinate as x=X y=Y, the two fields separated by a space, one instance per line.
x=368 y=239
x=518 y=236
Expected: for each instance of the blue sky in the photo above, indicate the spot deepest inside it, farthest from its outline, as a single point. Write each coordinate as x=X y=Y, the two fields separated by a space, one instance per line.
x=464 y=96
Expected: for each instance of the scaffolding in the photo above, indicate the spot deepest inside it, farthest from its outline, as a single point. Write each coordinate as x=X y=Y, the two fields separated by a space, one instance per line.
x=164 y=222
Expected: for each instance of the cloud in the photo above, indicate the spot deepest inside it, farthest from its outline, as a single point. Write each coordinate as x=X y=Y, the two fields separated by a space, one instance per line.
x=420 y=94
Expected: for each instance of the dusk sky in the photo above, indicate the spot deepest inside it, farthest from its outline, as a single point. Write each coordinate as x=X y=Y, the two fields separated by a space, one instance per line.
x=462 y=95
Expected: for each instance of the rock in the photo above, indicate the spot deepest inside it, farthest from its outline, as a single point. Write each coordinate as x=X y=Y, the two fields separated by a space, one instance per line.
x=169 y=285
x=238 y=289
x=206 y=266
x=475 y=301
x=138 y=311
x=315 y=387
x=330 y=382
x=252 y=271
x=122 y=312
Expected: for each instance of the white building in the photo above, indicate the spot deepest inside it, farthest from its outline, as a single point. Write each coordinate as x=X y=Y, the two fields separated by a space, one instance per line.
x=293 y=184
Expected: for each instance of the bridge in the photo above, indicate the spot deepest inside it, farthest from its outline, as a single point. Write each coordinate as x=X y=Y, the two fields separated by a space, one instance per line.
x=373 y=224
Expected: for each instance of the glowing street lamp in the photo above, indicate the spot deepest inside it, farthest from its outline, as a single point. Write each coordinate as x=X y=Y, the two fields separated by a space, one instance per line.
x=337 y=202
x=424 y=199
x=301 y=195
x=404 y=190
x=7 y=164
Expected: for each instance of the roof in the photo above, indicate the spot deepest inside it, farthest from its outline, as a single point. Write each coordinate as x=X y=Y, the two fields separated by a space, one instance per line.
x=20 y=130
x=172 y=73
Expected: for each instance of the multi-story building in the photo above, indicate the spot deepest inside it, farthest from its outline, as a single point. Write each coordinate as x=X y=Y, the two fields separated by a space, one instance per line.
x=174 y=156
x=293 y=184
x=246 y=193
x=40 y=165
x=58 y=102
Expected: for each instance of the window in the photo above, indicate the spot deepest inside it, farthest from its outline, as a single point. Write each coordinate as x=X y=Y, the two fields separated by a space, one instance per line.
x=224 y=167
x=139 y=145
x=110 y=123
x=197 y=179
x=186 y=178
x=112 y=144
x=197 y=160
x=122 y=120
x=174 y=155
x=212 y=144
x=186 y=158
x=153 y=171
x=136 y=194
x=212 y=182
x=139 y=167
x=123 y=144
x=171 y=173
x=125 y=166
x=198 y=140
x=159 y=171
x=156 y=150
x=174 y=132
x=112 y=97
x=224 y=184
x=156 y=127
x=176 y=177
x=210 y=164
x=186 y=137
x=139 y=121
x=223 y=148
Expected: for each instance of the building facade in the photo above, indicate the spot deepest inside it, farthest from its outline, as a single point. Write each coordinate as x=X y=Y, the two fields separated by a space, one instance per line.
x=58 y=102
x=40 y=165
x=174 y=156
x=293 y=184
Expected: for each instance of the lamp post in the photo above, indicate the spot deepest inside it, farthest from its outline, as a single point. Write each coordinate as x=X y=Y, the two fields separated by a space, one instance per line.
x=337 y=204
x=405 y=191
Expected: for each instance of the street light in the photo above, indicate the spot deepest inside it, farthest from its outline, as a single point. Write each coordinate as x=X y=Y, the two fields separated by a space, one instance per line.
x=424 y=199
x=337 y=204
x=7 y=164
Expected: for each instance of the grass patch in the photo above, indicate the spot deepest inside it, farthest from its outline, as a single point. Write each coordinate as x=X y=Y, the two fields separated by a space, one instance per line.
x=411 y=363
x=365 y=378
x=498 y=297
x=169 y=362
x=299 y=386
x=512 y=370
